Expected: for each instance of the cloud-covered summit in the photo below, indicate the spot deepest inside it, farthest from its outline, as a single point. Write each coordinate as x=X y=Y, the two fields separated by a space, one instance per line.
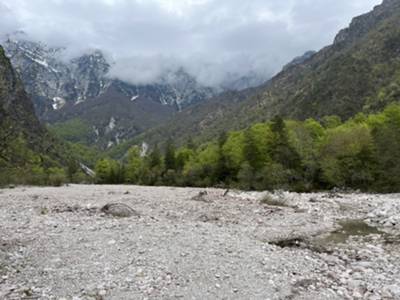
x=211 y=39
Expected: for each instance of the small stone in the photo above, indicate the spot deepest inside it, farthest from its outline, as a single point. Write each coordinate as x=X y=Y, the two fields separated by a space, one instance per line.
x=392 y=290
x=119 y=210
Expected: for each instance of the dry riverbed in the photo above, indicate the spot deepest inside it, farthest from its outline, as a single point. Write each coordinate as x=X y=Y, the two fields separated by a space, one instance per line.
x=56 y=243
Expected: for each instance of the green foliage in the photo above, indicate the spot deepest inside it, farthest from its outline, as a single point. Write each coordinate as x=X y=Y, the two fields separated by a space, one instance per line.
x=85 y=154
x=154 y=160
x=169 y=157
x=347 y=156
x=134 y=165
x=386 y=136
x=281 y=151
x=251 y=154
x=75 y=131
x=362 y=153
x=57 y=176
x=109 y=171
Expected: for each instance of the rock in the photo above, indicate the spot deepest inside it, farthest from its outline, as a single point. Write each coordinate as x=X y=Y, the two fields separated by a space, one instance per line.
x=208 y=218
x=391 y=291
x=119 y=210
x=201 y=196
x=357 y=295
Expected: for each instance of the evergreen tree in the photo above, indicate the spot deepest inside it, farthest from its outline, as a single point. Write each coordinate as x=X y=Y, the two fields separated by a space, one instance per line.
x=154 y=159
x=134 y=165
x=280 y=150
x=103 y=170
x=251 y=153
x=170 y=157
x=221 y=169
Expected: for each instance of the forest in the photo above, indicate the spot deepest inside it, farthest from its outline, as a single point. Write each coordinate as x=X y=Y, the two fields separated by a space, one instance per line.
x=362 y=153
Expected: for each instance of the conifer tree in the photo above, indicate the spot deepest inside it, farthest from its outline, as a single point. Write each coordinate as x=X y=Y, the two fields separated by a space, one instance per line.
x=170 y=157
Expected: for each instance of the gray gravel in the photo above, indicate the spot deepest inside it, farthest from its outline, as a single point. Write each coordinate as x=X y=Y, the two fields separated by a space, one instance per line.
x=56 y=243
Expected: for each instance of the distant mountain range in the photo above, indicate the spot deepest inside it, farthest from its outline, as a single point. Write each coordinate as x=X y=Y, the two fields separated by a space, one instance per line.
x=80 y=90
x=359 y=72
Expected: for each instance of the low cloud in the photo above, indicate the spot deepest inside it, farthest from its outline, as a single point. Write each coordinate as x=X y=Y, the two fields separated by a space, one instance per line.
x=211 y=39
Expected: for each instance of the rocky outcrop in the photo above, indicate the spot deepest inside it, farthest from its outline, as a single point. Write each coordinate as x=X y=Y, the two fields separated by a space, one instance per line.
x=300 y=59
x=361 y=25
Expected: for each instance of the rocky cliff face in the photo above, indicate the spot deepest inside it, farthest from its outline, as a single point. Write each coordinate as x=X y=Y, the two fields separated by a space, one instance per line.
x=15 y=105
x=361 y=25
x=22 y=138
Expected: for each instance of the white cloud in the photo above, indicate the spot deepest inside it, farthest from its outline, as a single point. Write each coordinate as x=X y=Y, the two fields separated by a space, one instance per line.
x=211 y=38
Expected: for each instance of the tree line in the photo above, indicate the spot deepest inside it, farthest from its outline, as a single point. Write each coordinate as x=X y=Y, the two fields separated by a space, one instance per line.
x=362 y=153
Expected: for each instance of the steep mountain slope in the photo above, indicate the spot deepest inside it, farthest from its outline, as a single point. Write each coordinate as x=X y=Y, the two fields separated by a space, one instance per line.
x=110 y=118
x=23 y=141
x=358 y=72
x=344 y=78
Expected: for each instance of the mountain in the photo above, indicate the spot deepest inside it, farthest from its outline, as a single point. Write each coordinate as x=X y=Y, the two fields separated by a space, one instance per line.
x=50 y=77
x=359 y=72
x=300 y=59
x=24 y=142
x=64 y=90
x=108 y=119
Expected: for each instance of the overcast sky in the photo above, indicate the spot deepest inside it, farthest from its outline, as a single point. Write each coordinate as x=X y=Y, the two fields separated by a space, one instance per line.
x=210 y=38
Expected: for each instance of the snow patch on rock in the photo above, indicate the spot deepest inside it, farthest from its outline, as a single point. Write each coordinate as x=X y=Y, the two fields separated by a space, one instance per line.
x=111 y=125
x=58 y=103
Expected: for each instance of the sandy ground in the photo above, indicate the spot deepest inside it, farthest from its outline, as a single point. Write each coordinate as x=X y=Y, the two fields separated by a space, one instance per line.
x=55 y=243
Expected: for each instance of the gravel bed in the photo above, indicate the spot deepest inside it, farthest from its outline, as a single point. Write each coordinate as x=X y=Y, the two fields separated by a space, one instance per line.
x=185 y=243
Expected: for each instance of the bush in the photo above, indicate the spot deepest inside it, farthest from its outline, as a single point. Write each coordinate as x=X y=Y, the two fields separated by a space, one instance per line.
x=56 y=177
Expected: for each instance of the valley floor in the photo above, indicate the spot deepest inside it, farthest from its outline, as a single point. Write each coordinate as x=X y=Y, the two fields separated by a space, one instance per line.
x=56 y=244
